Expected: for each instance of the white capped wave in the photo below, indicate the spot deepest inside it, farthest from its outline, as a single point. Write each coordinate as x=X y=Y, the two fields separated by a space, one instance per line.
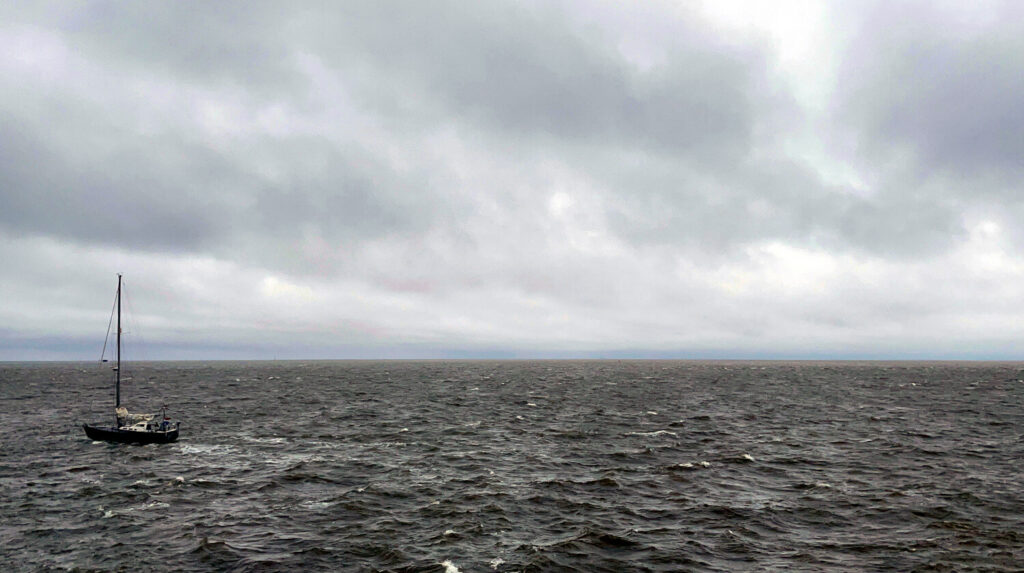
x=691 y=465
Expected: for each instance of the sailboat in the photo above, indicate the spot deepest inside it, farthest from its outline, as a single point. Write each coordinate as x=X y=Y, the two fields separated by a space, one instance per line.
x=131 y=428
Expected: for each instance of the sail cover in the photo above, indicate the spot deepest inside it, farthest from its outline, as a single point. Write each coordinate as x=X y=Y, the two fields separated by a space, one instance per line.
x=124 y=418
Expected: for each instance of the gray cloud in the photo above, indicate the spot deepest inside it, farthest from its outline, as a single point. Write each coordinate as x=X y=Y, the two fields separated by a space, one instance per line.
x=926 y=98
x=120 y=198
x=523 y=71
x=565 y=175
x=918 y=76
x=228 y=43
x=529 y=71
x=534 y=80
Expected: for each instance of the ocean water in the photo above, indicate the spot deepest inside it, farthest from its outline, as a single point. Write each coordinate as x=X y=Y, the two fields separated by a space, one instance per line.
x=519 y=466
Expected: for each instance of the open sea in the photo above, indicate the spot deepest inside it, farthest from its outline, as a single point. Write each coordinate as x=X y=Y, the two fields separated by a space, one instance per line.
x=464 y=466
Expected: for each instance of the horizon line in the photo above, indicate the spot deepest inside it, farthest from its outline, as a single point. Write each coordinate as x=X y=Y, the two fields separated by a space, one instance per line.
x=529 y=359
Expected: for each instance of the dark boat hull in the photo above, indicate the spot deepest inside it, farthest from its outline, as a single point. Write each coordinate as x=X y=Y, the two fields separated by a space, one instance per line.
x=108 y=434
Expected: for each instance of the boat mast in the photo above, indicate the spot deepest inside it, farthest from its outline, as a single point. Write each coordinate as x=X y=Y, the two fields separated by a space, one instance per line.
x=117 y=393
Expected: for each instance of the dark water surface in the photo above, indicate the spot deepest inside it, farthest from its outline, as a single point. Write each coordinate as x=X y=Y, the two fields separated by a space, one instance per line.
x=520 y=466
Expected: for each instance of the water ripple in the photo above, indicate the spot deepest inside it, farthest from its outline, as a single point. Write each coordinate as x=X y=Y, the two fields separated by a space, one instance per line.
x=521 y=466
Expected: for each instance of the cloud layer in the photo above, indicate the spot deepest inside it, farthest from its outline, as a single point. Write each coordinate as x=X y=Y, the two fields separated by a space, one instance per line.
x=513 y=179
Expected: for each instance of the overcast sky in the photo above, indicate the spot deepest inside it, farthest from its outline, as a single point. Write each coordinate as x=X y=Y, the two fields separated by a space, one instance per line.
x=797 y=179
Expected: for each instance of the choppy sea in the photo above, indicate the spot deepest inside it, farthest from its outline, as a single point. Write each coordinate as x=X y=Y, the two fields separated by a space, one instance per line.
x=459 y=466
